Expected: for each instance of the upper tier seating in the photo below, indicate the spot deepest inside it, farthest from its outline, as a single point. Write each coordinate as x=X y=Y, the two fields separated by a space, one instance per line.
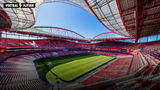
x=44 y=43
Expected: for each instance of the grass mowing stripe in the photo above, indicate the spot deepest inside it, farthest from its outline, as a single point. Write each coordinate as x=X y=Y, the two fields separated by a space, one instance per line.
x=66 y=65
x=81 y=70
x=85 y=61
x=88 y=64
x=94 y=64
x=52 y=62
x=53 y=78
x=65 y=59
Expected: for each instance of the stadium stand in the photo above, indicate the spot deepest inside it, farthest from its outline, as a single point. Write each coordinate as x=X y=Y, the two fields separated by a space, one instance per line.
x=136 y=67
x=126 y=64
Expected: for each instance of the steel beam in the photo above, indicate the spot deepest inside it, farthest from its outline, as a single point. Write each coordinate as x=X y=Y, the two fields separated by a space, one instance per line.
x=139 y=14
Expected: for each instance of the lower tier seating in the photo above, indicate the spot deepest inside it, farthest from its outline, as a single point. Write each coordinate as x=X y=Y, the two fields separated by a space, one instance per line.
x=116 y=69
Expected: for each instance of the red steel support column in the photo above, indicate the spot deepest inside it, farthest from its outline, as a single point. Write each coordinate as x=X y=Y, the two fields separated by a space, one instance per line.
x=139 y=15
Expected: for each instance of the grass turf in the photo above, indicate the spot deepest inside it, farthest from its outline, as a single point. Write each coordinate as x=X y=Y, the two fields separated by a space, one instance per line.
x=76 y=67
x=46 y=64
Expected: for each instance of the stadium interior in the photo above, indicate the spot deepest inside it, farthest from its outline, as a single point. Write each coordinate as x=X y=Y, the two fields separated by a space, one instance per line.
x=56 y=58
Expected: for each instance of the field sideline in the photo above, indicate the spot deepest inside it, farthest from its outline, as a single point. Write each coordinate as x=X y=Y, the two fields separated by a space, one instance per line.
x=75 y=68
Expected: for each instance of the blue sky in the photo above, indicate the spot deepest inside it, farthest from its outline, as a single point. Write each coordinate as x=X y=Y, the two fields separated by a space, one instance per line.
x=73 y=18
x=70 y=17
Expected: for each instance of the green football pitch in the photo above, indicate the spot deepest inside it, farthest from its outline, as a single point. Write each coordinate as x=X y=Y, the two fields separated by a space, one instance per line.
x=69 y=68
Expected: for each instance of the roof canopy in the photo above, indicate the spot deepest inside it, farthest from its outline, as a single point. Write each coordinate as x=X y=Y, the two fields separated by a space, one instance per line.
x=129 y=18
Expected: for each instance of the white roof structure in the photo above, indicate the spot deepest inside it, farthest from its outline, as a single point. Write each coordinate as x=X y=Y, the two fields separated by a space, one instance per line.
x=124 y=17
x=107 y=12
x=23 y=18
